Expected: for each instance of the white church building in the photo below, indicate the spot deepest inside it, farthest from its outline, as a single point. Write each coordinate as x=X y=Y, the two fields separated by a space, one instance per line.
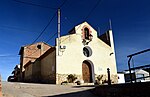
x=86 y=55
x=82 y=53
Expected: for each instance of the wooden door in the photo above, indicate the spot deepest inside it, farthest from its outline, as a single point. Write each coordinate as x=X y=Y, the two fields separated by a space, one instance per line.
x=86 y=73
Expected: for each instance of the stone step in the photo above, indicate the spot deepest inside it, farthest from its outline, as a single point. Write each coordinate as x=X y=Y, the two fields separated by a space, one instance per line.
x=87 y=84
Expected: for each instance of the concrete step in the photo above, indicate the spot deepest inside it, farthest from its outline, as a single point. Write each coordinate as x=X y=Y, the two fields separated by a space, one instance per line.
x=87 y=84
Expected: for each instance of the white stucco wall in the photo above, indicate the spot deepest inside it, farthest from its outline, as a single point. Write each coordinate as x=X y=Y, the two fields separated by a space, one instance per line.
x=70 y=61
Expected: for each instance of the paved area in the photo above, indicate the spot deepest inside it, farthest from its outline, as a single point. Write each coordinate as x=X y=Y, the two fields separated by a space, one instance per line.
x=0 y=87
x=13 y=89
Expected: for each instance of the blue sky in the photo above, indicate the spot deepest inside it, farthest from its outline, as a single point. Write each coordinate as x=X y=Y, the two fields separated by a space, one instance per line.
x=21 y=23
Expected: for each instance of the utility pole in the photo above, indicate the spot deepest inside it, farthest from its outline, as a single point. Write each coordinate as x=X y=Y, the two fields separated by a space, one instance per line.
x=58 y=30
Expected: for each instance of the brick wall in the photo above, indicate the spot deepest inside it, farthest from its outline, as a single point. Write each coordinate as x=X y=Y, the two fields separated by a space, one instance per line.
x=31 y=53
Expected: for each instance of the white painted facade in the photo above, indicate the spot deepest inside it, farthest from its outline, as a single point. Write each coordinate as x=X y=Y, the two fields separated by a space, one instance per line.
x=70 y=59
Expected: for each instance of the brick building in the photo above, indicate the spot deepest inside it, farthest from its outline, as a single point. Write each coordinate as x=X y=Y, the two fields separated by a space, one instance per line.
x=31 y=53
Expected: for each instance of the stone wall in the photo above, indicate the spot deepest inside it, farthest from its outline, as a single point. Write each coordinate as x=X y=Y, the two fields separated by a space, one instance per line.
x=63 y=77
x=102 y=79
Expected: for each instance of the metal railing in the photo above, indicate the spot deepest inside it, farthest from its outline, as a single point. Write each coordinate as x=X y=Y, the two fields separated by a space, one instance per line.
x=140 y=67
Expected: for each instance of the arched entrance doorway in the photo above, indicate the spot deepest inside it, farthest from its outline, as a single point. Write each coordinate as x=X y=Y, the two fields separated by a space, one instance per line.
x=88 y=71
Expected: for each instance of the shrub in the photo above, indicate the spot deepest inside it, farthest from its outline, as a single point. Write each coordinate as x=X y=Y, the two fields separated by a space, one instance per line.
x=64 y=82
x=71 y=78
x=99 y=79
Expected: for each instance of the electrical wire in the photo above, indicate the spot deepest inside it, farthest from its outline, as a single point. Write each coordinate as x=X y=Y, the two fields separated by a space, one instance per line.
x=97 y=3
x=49 y=22
x=31 y=53
x=62 y=4
x=35 y=4
x=46 y=28
x=51 y=37
x=9 y=56
x=56 y=32
x=43 y=7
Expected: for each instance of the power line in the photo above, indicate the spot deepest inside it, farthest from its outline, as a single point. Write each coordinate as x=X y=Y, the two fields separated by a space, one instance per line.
x=44 y=28
x=14 y=28
x=51 y=37
x=28 y=3
x=56 y=32
x=31 y=53
x=97 y=3
x=47 y=26
x=28 y=56
x=49 y=22
x=62 y=4
x=91 y=11
x=9 y=56
x=38 y=49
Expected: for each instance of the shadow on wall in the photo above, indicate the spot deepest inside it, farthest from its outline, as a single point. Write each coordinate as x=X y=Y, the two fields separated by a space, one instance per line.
x=86 y=93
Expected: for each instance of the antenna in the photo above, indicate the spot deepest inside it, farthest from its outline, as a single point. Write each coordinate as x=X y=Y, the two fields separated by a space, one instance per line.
x=58 y=30
x=98 y=31
x=110 y=26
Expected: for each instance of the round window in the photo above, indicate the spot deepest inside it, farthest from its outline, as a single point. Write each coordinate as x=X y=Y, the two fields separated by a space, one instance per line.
x=87 y=51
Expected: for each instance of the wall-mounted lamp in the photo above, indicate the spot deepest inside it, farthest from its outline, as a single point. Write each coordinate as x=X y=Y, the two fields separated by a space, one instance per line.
x=111 y=53
x=62 y=48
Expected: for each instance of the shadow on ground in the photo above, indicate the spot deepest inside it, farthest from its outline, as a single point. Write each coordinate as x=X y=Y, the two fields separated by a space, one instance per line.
x=80 y=86
x=86 y=93
x=124 y=90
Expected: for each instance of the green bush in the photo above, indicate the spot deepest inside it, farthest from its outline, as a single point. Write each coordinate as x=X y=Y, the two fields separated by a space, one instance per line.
x=71 y=78
x=99 y=79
